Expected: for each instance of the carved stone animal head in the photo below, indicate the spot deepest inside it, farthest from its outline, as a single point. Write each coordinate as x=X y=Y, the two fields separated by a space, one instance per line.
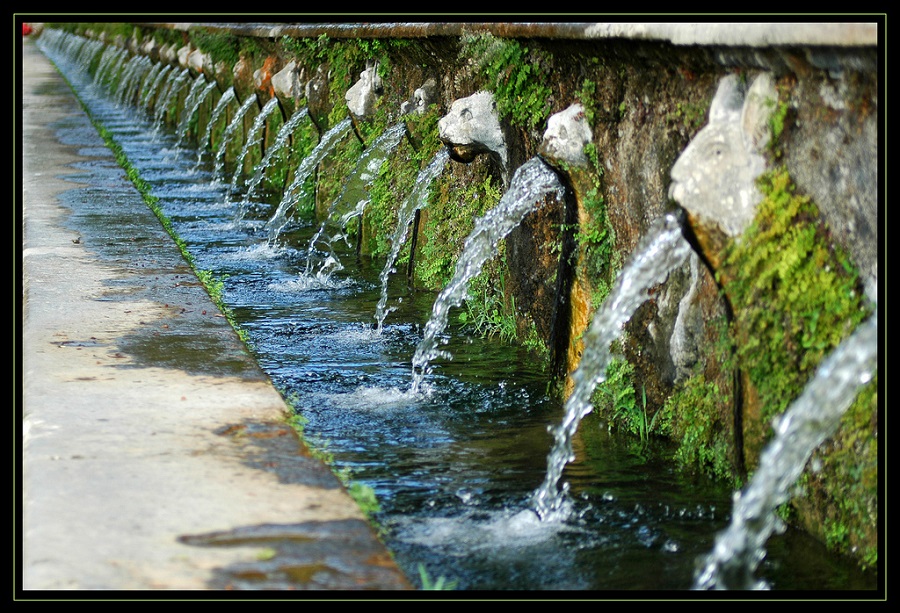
x=714 y=179
x=566 y=135
x=362 y=96
x=472 y=127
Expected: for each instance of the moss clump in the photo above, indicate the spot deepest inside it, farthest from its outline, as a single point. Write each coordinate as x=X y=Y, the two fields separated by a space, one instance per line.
x=795 y=295
x=596 y=237
x=226 y=48
x=692 y=416
x=840 y=501
x=455 y=204
x=517 y=76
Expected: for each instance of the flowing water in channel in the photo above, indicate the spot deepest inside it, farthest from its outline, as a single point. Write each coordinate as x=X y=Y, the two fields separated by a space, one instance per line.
x=454 y=470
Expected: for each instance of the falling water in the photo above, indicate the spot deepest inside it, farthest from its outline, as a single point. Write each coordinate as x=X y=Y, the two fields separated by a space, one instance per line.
x=533 y=181
x=85 y=51
x=149 y=96
x=109 y=61
x=199 y=91
x=125 y=79
x=229 y=133
x=253 y=138
x=354 y=196
x=174 y=89
x=131 y=80
x=281 y=140
x=662 y=250
x=417 y=199
x=813 y=417
x=221 y=105
x=304 y=170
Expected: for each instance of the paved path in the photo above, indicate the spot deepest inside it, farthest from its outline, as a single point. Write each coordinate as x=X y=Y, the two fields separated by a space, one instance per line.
x=155 y=453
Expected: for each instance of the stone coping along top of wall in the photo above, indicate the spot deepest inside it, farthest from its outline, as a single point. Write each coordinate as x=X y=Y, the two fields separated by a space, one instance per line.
x=761 y=34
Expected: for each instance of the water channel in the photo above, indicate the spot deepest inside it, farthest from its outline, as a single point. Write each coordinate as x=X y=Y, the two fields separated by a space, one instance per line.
x=455 y=463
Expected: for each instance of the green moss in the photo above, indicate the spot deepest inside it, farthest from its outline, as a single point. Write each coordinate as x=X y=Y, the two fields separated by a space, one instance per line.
x=516 y=75
x=691 y=115
x=489 y=311
x=845 y=482
x=395 y=182
x=454 y=206
x=586 y=97
x=595 y=235
x=795 y=295
x=692 y=417
x=615 y=399
x=223 y=47
x=778 y=119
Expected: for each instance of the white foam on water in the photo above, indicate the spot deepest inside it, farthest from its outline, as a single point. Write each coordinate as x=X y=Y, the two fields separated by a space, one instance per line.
x=372 y=398
x=503 y=529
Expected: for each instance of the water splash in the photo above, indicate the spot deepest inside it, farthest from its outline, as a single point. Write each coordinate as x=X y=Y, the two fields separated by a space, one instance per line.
x=304 y=170
x=417 y=199
x=813 y=417
x=254 y=136
x=532 y=181
x=221 y=105
x=230 y=131
x=663 y=249
x=280 y=141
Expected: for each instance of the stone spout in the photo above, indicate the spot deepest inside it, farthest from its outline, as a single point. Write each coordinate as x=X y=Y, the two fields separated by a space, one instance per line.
x=563 y=148
x=421 y=99
x=363 y=95
x=287 y=82
x=714 y=179
x=566 y=136
x=472 y=127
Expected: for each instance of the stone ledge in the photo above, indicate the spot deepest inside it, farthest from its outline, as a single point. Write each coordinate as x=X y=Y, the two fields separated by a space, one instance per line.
x=775 y=34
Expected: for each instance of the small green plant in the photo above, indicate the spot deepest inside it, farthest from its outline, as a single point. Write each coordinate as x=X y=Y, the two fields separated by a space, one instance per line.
x=692 y=417
x=691 y=115
x=451 y=214
x=616 y=400
x=365 y=497
x=485 y=311
x=429 y=584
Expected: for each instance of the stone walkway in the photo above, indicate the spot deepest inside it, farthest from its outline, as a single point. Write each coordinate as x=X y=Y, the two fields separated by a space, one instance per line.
x=155 y=453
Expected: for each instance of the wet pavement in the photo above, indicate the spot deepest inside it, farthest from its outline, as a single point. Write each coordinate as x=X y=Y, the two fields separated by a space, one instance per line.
x=155 y=453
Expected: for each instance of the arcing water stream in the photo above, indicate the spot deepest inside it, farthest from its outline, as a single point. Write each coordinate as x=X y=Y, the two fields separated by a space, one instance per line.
x=455 y=470
x=531 y=183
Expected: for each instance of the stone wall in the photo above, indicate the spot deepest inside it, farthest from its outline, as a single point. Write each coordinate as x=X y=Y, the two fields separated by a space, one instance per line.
x=646 y=93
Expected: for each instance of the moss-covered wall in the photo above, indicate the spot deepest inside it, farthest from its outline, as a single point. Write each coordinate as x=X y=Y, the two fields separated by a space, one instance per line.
x=763 y=310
